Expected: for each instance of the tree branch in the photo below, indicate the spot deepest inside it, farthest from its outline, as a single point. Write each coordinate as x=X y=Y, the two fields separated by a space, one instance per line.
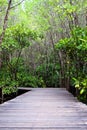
x=17 y=4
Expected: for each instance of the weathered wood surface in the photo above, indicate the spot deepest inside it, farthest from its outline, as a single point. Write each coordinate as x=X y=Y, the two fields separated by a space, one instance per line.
x=43 y=109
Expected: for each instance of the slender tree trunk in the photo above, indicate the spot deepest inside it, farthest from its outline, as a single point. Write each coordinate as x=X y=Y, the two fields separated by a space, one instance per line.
x=52 y=42
x=1 y=39
x=62 y=84
x=5 y=21
x=76 y=20
x=86 y=18
x=68 y=74
x=4 y=28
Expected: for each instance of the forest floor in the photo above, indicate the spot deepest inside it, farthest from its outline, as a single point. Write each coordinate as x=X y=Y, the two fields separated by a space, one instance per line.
x=43 y=109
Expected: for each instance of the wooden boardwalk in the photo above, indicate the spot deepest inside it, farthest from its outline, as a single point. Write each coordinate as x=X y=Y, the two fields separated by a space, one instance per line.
x=44 y=109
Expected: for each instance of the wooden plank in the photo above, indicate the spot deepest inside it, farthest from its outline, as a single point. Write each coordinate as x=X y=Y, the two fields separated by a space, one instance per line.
x=44 y=109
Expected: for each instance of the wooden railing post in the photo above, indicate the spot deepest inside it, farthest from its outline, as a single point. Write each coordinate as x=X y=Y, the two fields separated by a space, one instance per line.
x=1 y=96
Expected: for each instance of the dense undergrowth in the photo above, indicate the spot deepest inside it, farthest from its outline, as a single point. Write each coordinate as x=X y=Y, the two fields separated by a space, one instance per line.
x=15 y=72
x=75 y=49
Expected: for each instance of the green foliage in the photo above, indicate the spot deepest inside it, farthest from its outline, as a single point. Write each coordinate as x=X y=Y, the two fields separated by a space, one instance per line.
x=16 y=39
x=50 y=74
x=28 y=80
x=75 y=49
x=9 y=86
x=81 y=85
x=16 y=75
x=23 y=35
x=3 y=3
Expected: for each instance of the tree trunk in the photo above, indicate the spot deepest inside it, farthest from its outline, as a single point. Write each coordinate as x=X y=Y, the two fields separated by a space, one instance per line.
x=86 y=18
x=76 y=20
x=68 y=78
x=5 y=21
x=52 y=42
x=62 y=83
x=4 y=28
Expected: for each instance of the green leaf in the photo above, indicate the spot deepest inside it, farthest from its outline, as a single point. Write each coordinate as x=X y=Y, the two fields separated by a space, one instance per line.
x=82 y=91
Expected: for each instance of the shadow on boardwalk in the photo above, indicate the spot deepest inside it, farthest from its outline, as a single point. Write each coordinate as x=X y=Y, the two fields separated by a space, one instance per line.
x=44 y=109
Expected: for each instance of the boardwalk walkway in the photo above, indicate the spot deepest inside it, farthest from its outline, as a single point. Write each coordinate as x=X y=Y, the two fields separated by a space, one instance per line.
x=43 y=109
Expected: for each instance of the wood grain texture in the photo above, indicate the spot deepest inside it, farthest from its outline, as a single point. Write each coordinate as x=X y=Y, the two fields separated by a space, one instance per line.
x=44 y=109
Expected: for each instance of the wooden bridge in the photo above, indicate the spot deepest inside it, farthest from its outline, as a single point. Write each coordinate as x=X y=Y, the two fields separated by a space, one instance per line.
x=44 y=109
